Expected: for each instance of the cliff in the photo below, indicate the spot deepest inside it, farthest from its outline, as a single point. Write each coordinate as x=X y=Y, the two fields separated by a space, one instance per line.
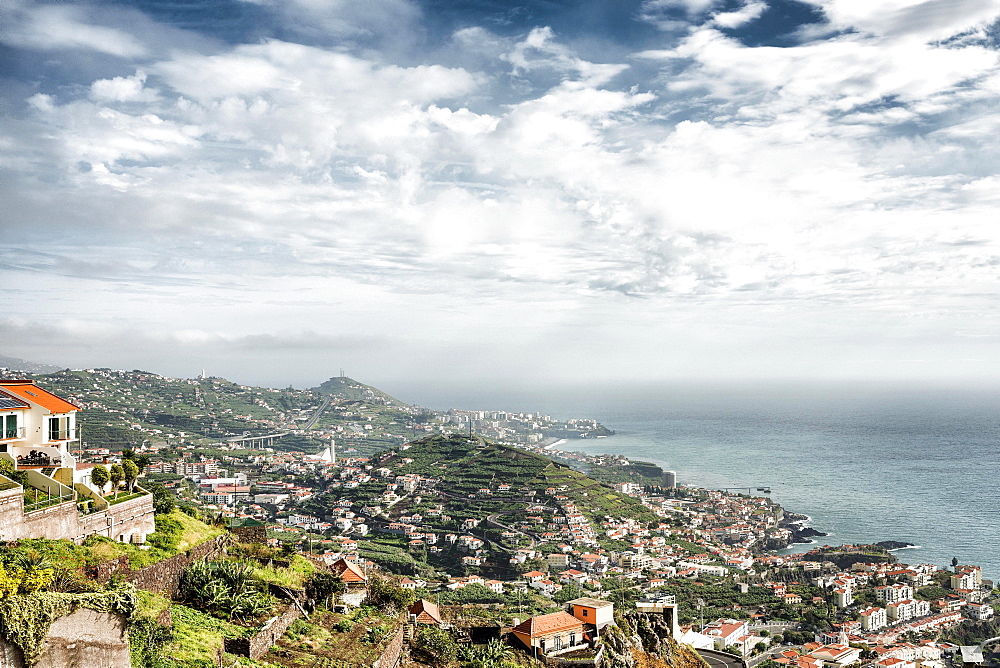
x=644 y=641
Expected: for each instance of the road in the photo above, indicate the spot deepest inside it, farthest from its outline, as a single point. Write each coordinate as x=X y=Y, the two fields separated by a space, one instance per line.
x=769 y=654
x=720 y=659
x=315 y=416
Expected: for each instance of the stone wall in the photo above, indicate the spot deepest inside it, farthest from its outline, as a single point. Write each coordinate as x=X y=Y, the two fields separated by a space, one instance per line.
x=260 y=642
x=103 y=571
x=256 y=534
x=85 y=638
x=128 y=521
x=390 y=657
x=164 y=577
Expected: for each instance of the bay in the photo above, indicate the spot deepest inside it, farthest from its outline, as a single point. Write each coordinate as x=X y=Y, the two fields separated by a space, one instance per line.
x=865 y=463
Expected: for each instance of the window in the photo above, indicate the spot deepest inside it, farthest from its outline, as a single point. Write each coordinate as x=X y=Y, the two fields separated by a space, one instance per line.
x=59 y=429
x=8 y=426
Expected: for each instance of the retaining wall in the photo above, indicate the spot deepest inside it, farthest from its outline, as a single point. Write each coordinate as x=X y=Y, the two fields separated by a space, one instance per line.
x=260 y=642
x=126 y=521
x=165 y=576
x=390 y=657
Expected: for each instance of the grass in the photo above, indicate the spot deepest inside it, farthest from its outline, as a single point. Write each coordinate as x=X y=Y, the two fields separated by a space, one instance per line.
x=36 y=500
x=317 y=642
x=293 y=577
x=118 y=498
x=175 y=533
x=198 y=637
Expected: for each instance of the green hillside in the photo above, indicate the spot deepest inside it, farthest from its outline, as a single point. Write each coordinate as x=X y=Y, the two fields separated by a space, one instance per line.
x=516 y=498
x=351 y=390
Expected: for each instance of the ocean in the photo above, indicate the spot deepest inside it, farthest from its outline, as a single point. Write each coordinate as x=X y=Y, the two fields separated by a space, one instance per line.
x=865 y=463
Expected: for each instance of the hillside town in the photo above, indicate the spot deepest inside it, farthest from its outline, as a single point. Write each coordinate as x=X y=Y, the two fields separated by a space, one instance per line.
x=460 y=520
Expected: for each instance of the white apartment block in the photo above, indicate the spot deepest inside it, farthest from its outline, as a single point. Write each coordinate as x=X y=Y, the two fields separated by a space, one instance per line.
x=894 y=593
x=873 y=618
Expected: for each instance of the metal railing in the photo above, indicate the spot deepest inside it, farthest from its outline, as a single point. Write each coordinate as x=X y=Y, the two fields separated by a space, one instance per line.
x=49 y=499
x=11 y=433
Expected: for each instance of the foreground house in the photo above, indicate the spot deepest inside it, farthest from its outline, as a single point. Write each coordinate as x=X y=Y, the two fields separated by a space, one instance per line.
x=552 y=633
x=58 y=498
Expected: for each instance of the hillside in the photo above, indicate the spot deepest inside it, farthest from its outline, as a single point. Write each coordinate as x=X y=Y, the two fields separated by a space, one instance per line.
x=505 y=498
x=125 y=409
x=351 y=390
x=16 y=364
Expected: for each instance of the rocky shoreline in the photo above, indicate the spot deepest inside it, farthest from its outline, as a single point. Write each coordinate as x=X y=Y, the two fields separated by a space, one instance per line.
x=801 y=534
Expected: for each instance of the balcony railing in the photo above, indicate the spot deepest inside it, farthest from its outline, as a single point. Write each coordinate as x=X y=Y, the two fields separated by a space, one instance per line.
x=62 y=434
x=35 y=458
x=11 y=433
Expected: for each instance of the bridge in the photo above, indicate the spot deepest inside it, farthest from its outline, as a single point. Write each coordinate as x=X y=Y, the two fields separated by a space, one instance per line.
x=256 y=441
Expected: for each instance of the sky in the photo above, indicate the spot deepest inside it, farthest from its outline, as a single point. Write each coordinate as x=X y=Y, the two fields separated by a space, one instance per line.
x=505 y=194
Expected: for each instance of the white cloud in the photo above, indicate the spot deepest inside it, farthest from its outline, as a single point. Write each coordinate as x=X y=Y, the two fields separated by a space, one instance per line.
x=63 y=27
x=750 y=11
x=280 y=189
x=925 y=20
x=123 y=89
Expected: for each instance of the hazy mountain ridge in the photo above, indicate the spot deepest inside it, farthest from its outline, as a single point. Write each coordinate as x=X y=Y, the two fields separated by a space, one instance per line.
x=15 y=364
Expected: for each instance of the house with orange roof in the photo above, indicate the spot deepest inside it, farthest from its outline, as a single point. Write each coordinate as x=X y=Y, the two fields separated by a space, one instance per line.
x=550 y=634
x=425 y=612
x=37 y=430
x=349 y=572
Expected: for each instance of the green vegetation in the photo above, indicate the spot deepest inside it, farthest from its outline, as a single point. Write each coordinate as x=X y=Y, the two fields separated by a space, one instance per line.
x=198 y=637
x=226 y=589
x=25 y=618
x=295 y=576
x=174 y=533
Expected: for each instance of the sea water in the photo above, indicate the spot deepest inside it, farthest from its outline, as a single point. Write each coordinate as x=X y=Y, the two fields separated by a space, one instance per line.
x=866 y=464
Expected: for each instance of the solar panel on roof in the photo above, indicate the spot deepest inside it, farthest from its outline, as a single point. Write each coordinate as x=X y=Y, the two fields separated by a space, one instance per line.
x=10 y=402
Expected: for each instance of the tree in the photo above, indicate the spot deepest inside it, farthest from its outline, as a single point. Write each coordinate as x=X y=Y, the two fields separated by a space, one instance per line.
x=321 y=586
x=116 y=474
x=954 y=564
x=8 y=471
x=388 y=596
x=163 y=499
x=142 y=461
x=100 y=477
x=130 y=472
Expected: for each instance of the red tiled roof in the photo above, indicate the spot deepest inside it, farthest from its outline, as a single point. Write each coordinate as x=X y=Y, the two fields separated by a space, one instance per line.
x=349 y=571
x=550 y=623
x=424 y=609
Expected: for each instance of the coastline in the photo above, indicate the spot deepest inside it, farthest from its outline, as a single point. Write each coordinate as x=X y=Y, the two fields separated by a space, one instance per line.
x=555 y=445
x=857 y=467
x=799 y=524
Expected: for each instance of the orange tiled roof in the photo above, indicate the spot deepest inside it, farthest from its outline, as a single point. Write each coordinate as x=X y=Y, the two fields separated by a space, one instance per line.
x=550 y=623
x=27 y=390
x=349 y=572
x=424 y=607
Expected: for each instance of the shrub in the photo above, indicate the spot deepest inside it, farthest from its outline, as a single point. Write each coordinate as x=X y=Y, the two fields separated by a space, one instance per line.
x=388 y=596
x=321 y=587
x=224 y=588
x=436 y=642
